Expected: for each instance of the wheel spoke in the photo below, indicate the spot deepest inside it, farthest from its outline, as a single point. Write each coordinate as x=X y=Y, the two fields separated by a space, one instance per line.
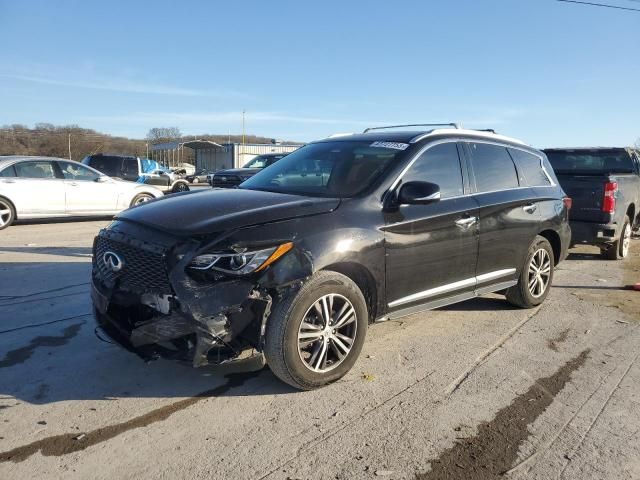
x=326 y=311
x=346 y=318
x=322 y=358
x=340 y=343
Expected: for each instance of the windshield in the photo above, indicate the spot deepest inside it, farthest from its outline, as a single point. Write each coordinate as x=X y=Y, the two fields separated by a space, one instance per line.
x=327 y=169
x=260 y=161
x=591 y=162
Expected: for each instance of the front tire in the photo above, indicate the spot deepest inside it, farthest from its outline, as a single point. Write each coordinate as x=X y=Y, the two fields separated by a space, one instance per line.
x=314 y=335
x=536 y=276
x=620 y=248
x=7 y=213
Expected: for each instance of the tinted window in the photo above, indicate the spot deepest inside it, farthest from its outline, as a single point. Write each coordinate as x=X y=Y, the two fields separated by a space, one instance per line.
x=530 y=169
x=336 y=168
x=8 y=172
x=440 y=165
x=75 y=171
x=107 y=165
x=130 y=167
x=35 y=170
x=492 y=167
x=594 y=161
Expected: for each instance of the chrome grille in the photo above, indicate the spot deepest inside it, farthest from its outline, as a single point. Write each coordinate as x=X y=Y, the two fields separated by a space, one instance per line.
x=143 y=270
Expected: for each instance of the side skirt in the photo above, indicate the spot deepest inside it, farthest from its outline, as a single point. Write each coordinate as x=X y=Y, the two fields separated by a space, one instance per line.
x=443 y=302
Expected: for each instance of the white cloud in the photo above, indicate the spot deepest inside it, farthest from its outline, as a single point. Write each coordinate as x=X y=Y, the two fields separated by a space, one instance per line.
x=120 y=86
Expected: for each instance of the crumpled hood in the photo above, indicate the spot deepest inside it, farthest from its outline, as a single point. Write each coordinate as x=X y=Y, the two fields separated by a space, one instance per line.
x=209 y=211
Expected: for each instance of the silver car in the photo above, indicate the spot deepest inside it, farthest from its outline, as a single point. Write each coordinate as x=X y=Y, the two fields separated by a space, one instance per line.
x=45 y=187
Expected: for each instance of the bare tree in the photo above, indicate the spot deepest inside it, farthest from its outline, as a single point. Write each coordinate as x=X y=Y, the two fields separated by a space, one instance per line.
x=163 y=133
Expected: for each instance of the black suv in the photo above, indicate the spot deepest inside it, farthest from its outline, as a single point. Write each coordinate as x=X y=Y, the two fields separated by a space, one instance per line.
x=233 y=177
x=344 y=232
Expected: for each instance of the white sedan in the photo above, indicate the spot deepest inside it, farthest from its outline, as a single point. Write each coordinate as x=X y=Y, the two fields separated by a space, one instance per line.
x=44 y=187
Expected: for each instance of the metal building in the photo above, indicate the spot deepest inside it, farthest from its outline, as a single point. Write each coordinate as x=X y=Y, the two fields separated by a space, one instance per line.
x=212 y=156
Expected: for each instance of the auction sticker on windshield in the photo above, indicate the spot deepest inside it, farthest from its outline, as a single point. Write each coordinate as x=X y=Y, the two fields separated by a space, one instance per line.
x=394 y=145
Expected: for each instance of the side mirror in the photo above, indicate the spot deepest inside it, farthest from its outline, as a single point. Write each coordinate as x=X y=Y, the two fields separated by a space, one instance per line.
x=101 y=179
x=418 y=193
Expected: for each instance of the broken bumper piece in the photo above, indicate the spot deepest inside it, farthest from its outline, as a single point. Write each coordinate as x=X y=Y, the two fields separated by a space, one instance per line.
x=156 y=327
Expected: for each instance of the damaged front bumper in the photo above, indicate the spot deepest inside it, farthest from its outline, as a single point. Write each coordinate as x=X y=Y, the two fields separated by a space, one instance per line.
x=158 y=311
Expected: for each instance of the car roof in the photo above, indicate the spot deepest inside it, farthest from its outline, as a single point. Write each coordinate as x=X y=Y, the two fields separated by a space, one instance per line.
x=8 y=159
x=415 y=136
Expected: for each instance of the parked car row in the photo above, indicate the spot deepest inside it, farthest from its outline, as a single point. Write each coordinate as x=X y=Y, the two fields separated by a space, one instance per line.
x=42 y=187
x=141 y=170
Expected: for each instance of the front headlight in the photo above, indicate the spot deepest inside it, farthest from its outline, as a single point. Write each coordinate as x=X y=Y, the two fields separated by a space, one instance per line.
x=240 y=262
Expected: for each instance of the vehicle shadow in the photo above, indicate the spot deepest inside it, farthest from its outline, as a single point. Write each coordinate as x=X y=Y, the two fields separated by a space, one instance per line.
x=49 y=351
x=61 y=251
x=481 y=304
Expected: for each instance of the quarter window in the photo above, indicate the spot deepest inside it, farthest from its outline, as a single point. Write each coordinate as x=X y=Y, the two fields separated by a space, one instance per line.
x=439 y=165
x=530 y=169
x=8 y=172
x=492 y=167
x=35 y=170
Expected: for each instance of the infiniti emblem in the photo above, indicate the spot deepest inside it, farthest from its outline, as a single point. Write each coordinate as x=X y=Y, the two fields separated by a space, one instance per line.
x=113 y=261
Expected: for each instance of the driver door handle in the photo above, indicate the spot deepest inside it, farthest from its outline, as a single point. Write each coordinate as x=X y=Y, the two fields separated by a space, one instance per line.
x=531 y=208
x=466 y=223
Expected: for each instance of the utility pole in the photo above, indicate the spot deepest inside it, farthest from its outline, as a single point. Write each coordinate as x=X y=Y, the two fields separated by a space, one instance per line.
x=69 y=146
x=243 y=112
x=147 y=144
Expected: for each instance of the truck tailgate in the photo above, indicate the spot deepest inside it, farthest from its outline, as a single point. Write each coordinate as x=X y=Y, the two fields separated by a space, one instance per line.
x=587 y=193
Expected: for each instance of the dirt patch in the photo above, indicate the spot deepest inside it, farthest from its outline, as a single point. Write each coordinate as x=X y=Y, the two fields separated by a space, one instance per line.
x=494 y=449
x=73 y=442
x=22 y=354
x=558 y=339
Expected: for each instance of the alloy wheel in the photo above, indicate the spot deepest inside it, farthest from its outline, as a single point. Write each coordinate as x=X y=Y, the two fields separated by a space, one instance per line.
x=626 y=241
x=539 y=272
x=327 y=333
x=5 y=213
x=142 y=199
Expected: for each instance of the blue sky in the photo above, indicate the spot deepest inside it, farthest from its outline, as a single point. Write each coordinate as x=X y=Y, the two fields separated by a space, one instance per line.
x=550 y=73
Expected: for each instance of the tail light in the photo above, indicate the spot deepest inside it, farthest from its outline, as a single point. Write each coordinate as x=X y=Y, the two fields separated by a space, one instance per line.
x=609 y=201
x=568 y=202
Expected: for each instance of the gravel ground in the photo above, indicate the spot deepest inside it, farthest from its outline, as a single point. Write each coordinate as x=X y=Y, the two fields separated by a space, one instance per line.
x=475 y=390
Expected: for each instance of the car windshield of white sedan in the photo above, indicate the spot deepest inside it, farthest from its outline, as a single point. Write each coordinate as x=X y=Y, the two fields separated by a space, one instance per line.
x=327 y=169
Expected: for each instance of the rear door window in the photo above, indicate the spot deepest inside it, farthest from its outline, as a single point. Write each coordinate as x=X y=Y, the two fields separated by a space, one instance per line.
x=439 y=165
x=529 y=168
x=35 y=170
x=492 y=167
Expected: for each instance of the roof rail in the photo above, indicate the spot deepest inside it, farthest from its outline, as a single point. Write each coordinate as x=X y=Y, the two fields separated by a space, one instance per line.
x=490 y=130
x=454 y=125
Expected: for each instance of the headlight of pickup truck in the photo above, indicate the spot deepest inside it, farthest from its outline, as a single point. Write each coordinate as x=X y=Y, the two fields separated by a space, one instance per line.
x=240 y=262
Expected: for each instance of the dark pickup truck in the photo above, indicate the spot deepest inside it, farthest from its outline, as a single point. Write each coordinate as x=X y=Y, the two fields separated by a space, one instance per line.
x=604 y=184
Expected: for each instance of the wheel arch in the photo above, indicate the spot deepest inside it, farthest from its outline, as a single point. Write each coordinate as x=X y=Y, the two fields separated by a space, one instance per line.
x=365 y=281
x=556 y=243
x=631 y=213
x=13 y=205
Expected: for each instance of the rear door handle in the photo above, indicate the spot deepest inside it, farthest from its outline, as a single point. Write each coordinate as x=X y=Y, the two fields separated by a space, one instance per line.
x=531 y=208
x=466 y=223
x=8 y=181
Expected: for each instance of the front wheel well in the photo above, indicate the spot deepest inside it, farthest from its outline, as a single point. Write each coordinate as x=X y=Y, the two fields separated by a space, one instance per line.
x=363 y=278
x=556 y=244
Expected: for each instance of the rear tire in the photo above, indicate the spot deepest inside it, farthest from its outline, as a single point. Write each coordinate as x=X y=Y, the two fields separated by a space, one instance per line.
x=180 y=187
x=536 y=276
x=620 y=248
x=7 y=213
x=293 y=350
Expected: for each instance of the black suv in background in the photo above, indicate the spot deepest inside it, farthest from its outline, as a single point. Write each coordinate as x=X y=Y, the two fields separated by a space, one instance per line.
x=233 y=177
x=604 y=184
x=303 y=256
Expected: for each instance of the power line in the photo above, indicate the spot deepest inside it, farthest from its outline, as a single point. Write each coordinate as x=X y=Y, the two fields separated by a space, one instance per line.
x=617 y=7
